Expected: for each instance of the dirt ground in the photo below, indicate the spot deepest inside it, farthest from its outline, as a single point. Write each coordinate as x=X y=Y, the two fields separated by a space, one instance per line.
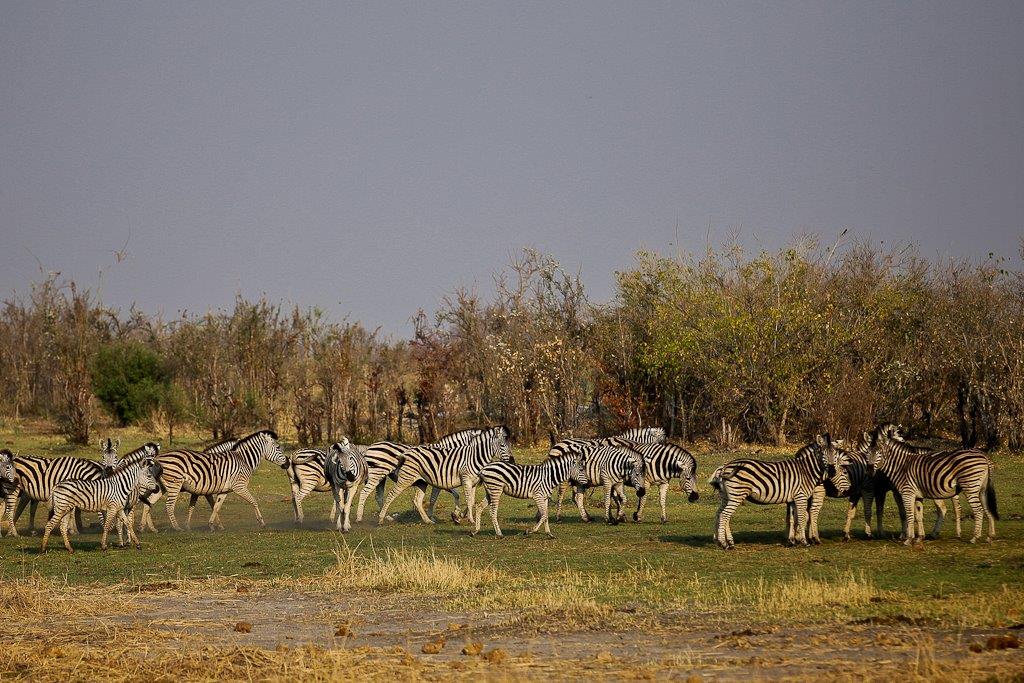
x=669 y=645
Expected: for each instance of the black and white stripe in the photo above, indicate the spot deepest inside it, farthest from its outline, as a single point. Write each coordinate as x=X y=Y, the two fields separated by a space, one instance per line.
x=448 y=467
x=37 y=476
x=773 y=483
x=206 y=474
x=610 y=463
x=528 y=481
x=662 y=464
x=936 y=475
x=345 y=470
x=114 y=496
x=840 y=485
x=385 y=457
x=148 y=501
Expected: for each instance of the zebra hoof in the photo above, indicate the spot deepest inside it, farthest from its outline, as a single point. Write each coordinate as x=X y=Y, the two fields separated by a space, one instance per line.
x=974 y=540
x=816 y=541
x=846 y=538
x=550 y=535
x=636 y=517
x=456 y=519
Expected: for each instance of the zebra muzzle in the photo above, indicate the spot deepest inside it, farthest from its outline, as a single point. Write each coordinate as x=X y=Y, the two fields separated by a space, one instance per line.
x=693 y=496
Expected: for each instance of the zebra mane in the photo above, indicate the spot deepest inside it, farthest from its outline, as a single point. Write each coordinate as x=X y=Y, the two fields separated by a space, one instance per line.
x=246 y=439
x=7 y=452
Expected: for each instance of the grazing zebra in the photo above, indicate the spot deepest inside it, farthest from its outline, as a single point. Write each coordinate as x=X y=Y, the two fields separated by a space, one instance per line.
x=839 y=486
x=528 y=481
x=206 y=474
x=608 y=466
x=345 y=469
x=662 y=463
x=148 y=501
x=627 y=439
x=385 y=457
x=775 y=482
x=114 y=496
x=448 y=467
x=935 y=475
x=36 y=478
x=883 y=486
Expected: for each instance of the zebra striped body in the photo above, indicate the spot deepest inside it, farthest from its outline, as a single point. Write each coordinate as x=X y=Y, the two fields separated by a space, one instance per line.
x=662 y=463
x=848 y=482
x=385 y=457
x=345 y=471
x=449 y=466
x=115 y=496
x=37 y=477
x=775 y=482
x=203 y=473
x=528 y=481
x=935 y=475
x=628 y=439
x=610 y=463
x=148 y=501
x=882 y=487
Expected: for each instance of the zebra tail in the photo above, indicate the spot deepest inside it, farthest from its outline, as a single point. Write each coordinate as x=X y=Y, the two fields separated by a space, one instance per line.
x=990 y=499
x=716 y=479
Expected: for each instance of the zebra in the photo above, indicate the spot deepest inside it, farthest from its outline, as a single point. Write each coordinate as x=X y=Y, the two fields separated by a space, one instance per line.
x=148 y=501
x=206 y=474
x=608 y=466
x=662 y=463
x=36 y=478
x=774 y=482
x=528 y=481
x=385 y=457
x=848 y=482
x=306 y=474
x=115 y=496
x=883 y=486
x=935 y=475
x=345 y=469
x=627 y=439
x=447 y=467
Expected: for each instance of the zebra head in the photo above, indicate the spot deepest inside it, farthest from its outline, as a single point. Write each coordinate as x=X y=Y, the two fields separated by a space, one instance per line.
x=687 y=468
x=109 y=449
x=637 y=472
x=265 y=442
x=578 y=471
x=839 y=474
x=146 y=477
x=499 y=446
x=7 y=472
x=342 y=456
x=880 y=446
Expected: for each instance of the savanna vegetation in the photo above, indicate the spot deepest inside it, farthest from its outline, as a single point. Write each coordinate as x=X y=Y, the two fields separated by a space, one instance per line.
x=734 y=346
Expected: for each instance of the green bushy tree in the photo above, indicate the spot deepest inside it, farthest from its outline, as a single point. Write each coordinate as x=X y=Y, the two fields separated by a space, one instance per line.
x=129 y=379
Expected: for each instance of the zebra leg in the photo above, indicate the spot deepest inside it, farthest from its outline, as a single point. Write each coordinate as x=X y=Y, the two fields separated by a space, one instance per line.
x=800 y=503
x=109 y=519
x=851 y=512
x=493 y=498
x=577 y=496
x=146 y=518
x=434 y=494
x=868 y=497
x=470 y=487
x=372 y=482
x=215 y=503
x=814 y=509
x=940 y=515
x=910 y=510
x=172 y=497
x=129 y=522
x=417 y=499
x=406 y=478
x=350 y=495
x=956 y=513
x=192 y=500
x=725 y=511
x=457 y=511
x=51 y=524
x=337 y=492
x=542 y=508
x=562 y=488
x=33 y=504
x=13 y=499
x=790 y=524
x=608 y=504
x=298 y=495
x=662 y=498
x=243 y=492
x=619 y=497
x=638 y=515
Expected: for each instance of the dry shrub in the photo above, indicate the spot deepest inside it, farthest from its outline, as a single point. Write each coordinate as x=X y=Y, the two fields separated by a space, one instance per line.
x=406 y=570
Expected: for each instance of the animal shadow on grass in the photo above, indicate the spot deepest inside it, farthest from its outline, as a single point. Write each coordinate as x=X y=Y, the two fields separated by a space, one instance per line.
x=753 y=538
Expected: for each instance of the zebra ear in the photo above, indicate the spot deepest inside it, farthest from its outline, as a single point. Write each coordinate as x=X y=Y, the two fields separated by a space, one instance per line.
x=551 y=438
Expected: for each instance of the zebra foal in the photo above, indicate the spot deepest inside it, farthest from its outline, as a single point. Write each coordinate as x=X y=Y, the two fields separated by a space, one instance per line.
x=115 y=496
x=528 y=481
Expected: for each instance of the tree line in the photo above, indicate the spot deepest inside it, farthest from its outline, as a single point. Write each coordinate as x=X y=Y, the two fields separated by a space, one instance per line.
x=725 y=344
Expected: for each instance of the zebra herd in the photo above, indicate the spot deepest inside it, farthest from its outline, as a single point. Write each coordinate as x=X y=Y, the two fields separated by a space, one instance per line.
x=881 y=461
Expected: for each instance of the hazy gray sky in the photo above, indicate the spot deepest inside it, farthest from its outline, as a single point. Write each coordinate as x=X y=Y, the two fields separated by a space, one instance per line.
x=369 y=157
